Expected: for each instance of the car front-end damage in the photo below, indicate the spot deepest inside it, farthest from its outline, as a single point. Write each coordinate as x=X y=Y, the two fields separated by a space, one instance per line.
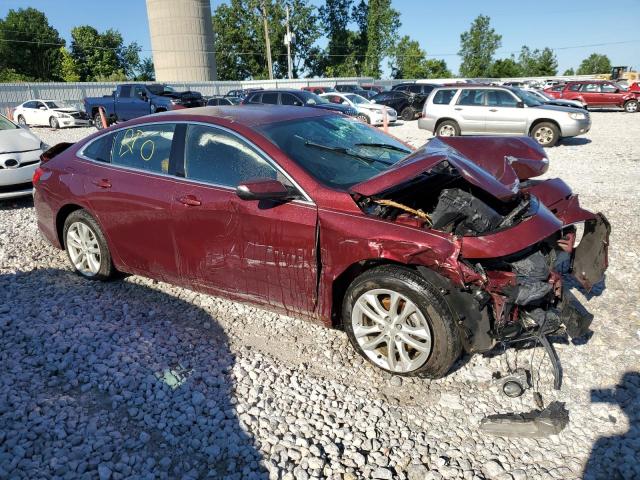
x=519 y=244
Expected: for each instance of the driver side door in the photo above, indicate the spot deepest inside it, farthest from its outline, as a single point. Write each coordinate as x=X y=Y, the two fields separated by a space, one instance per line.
x=258 y=251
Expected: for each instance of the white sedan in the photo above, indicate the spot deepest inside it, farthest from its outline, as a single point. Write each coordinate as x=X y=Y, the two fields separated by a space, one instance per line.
x=367 y=110
x=20 y=152
x=50 y=112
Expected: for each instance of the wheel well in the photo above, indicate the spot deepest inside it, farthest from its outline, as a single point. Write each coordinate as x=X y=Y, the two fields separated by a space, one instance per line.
x=544 y=120
x=62 y=215
x=445 y=119
x=342 y=282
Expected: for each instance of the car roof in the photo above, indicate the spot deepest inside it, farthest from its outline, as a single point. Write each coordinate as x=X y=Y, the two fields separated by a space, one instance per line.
x=247 y=115
x=279 y=90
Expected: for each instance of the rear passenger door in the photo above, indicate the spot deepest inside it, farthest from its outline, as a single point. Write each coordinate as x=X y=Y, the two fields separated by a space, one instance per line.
x=592 y=94
x=470 y=111
x=129 y=189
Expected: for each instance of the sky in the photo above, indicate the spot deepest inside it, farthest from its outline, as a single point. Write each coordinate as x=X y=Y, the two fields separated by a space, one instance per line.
x=436 y=25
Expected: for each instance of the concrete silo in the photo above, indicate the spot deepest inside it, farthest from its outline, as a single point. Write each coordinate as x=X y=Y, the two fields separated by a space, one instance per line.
x=182 y=40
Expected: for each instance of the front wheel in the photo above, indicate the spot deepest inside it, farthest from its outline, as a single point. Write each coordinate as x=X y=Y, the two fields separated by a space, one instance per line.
x=53 y=123
x=546 y=134
x=363 y=118
x=631 y=106
x=87 y=247
x=401 y=323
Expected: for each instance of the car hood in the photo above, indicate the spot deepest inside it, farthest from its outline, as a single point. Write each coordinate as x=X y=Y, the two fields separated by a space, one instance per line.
x=494 y=164
x=66 y=110
x=18 y=140
x=559 y=108
x=374 y=106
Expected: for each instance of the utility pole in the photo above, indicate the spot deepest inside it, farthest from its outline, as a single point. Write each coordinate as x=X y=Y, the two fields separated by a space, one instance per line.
x=287 y=41
x=266 y=38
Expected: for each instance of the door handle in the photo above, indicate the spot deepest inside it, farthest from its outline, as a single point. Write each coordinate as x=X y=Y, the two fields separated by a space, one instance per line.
x=457 y=108
x=102 y=183
x=493 y=109
x=190 y=201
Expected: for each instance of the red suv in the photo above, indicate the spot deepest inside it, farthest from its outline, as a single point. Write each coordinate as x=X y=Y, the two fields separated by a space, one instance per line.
x=597 y=94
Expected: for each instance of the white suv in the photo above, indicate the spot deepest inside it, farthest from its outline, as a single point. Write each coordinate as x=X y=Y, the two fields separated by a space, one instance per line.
x=491 y=110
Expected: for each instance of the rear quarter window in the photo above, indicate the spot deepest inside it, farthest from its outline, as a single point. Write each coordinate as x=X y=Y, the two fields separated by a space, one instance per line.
x=100 y=149
x=144 y=147
x=443 y=97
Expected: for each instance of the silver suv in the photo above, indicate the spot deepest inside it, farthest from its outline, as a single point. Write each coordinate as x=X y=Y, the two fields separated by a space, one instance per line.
x=489 y=110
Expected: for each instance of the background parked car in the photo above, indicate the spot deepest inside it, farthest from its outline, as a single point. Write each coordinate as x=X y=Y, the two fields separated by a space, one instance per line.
x=133 y=100
x=242 y=92
x=20 y=152
x=217 y=101
x=408 y=106
x=492 y=110
x=298 y=98
x=347 y=88
x=319 y=89
x=53 y=113
x=598 y=94
x=549 y=100
x=369 y=112
x=374 y=88
x=415 y=88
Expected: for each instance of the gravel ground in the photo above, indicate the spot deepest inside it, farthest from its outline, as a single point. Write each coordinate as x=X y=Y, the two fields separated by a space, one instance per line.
x=140 y=379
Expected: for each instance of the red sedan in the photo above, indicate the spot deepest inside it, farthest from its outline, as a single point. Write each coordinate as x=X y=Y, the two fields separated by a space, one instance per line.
x=416 y=254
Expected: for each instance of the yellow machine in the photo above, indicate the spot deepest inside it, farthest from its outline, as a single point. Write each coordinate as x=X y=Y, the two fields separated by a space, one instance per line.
x=624 y=73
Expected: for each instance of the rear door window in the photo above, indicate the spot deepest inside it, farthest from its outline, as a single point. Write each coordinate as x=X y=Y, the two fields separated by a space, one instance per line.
x=270 y=98
x=144 y=147
x=256 y=98
x=471 y=97
x=443 y=97
x=220 y=158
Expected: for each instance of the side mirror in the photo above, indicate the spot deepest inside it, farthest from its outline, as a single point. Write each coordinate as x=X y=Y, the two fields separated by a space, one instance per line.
x=520 y=105
x=263 y=190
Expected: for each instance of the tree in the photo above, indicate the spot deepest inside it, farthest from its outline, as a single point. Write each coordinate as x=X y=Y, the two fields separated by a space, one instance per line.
x=569 y=72
x=382 y=27
x=537 y=63
x=9 y=75
x=594 y=64
x=334 y=14
x=29 y=45
x=505 y=68
x=102 y=55
x=410 y=61
x=68 y=68
x=547 y=63
x=146 y=71
x=477 y=47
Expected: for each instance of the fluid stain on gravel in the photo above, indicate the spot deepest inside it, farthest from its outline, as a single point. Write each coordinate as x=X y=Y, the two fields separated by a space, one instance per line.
x=79 y=395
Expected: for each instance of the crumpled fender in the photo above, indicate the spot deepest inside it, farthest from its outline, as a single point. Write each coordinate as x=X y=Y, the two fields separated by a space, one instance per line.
x=557 y=196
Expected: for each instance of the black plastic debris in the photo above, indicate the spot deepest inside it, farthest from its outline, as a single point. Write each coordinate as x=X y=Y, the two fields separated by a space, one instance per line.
x=534 y=424
x=460 y=212
x=532 y=273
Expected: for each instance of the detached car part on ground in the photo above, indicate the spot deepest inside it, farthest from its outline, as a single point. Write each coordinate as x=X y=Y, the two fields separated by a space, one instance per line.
x=417 y=255
x=20 y=152
x=52 y=113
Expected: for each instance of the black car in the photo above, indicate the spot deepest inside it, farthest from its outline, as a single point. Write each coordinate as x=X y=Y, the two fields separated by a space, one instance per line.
x=225 y=101
x=368 y=94
x=348 y=88
x=415 y=88
x=408 y=106
x=299 y=98
x=242 y=92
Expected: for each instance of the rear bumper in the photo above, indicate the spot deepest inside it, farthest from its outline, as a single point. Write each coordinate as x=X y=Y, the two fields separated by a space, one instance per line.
x=427 y=123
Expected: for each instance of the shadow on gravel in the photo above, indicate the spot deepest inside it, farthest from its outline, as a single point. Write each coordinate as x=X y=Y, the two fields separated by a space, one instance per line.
x=112 y=381
x=15 y=203
x=575 y=141
x=616 y=457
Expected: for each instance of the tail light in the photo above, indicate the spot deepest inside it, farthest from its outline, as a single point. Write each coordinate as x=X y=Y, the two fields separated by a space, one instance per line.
x=36 y=175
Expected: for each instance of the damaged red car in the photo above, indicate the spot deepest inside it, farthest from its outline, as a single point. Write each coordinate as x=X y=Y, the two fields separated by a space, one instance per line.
x=416 y=254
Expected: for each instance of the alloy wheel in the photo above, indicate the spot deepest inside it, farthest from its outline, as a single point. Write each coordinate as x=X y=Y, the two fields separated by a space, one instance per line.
x=544 y=135
x=84 y=250
x=22 y=121
x=391 y=330
x=631 y=107
x=447 y=131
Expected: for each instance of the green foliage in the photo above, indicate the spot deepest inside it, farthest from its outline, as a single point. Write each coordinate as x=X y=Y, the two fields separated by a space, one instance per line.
x=9 y=75
x=505 y=68
x=117 y=76
x=477 y=47
x=334 y=15
x=68 y=68
x=145 y=72
x=408 y=60
x=239 y=38
x=36 y=61
x=569 y=71
x=537 y=63
x=102 y=55
x=383 y=23
x=595 y=63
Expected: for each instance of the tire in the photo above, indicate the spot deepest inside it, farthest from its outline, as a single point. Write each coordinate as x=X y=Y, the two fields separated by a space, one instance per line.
x=81 y=231
x=53 y=123
x=408 y=114
x=545 y=133
x=363 y=117
x=448 y=128
x=432 y=323
x=97 y=121
x=631 y=106
x=21 y=121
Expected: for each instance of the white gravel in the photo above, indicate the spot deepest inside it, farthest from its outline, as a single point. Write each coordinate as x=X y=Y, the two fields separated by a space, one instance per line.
x=86 y=368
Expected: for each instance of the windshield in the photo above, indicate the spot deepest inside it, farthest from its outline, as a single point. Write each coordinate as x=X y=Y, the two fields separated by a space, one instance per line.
x=357 y=99
x=160 y=89
x=529 y=99
x=53 y=105
x=6 y=124
x=311 y=98
x=337 y=151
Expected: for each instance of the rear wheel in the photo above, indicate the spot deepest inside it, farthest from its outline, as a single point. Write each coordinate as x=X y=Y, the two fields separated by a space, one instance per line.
x=21 y=121
x=631 y=106
x=448 y=128
x=401 y=323
x=407 y=114
x=546 y=134
x=87 y=247
x=53 y=123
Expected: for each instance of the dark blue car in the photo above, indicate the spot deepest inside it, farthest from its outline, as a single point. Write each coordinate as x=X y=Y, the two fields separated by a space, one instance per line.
x=298 y=98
